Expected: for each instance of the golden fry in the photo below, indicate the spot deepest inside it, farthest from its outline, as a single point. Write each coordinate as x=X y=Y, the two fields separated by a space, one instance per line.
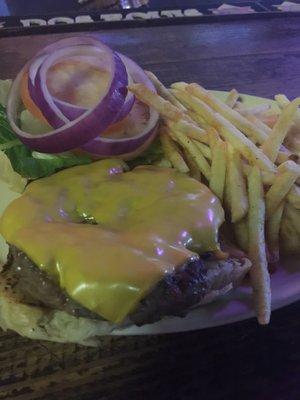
x=194 y=170
x=194 y=153
x=232 y=98
x=294 y=217
x=172 y=153
x=190 y=130
x=163 y=91
x=293 y=197
x=284 y=154
x=218 y=169
x=229 y=132
x=241 y=233
x=272 y=144
x=282 y=100
x=205 y=150
x=273 y=230
x=237 y=186
x=259 y=123
x=259 y=273
x=233 y=116
x=179 y=85
x=288 y=172
x=267 y=177
x=290 y=230
x=164 y=107
x=241 y=143
x=256 y=110
x=213 y=136
x=196 y=118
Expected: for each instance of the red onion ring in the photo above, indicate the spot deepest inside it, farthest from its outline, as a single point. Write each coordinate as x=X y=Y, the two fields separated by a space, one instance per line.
x=72 y=111
x=70 y=134
x=104 y=147
x=68 y=110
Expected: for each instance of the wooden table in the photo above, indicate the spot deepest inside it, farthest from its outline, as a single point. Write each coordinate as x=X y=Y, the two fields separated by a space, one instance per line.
x=241 y=361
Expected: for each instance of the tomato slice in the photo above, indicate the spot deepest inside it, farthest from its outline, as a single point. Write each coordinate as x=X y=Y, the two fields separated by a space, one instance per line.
x=27 y=100
x=131 y=125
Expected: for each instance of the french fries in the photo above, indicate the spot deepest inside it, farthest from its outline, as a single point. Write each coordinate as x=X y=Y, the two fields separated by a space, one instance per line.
x=196 y=118
x=288 y=172
x=164 y=107
x=241 y=234
x=284 y=154
x=259 y=109
x=205 y=150
x=293 y=197
x=194 y=170
x=289 y=230
x=267 y=177
x=194 y=153
x=272 y=144
x=259 y=273
x=259 y=123
x=232 y=98
x=188 y=129
x=245 y=164
x=218 y=169
x=293 y=217
x=237 y=186
x=164 y=92
x=282 y=100
x=273 y=231
x=241 y=143
x=171 y=152
x=230 y=114
x=227 y=130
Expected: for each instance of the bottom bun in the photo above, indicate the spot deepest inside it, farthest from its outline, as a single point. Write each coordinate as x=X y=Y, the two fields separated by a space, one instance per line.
x=41 y=324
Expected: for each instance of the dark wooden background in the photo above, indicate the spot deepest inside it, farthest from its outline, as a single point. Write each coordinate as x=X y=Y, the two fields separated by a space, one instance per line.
x=240 y=361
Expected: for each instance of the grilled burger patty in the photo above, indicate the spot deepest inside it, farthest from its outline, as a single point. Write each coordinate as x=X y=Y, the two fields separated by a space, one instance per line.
x=196 y=281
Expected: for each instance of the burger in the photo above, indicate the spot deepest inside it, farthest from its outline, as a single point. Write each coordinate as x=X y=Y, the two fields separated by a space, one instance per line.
x=97 y=247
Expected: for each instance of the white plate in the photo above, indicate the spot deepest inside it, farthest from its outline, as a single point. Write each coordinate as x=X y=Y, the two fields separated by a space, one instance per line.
x=235 y=306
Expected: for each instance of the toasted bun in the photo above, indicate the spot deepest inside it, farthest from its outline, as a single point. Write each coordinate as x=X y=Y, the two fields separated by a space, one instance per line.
x=39 y=323
x=57 y=326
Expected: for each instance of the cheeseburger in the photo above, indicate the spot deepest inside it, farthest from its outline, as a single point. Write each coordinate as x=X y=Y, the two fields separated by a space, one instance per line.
x=96 y=247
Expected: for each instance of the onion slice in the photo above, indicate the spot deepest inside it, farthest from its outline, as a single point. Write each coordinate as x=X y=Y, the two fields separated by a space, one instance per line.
x=102 y=147
x=130 y=146
x=70 y=134
x=66 y=109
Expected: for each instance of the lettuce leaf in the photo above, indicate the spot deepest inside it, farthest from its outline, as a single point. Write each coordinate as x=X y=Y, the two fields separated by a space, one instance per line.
x=7 y=174
x=30 y=164
x=4 y=90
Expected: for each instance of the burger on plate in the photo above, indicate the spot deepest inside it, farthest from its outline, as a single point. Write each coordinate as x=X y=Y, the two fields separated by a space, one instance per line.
x=96 y=247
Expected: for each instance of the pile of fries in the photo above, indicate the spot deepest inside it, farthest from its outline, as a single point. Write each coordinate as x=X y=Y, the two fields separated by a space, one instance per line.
x=246 y=158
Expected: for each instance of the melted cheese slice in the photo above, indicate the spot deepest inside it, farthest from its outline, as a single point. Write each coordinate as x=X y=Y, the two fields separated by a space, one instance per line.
x=141 y=225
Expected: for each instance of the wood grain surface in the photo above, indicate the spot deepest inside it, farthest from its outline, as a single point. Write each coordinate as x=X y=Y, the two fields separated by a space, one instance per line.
x=240 y=361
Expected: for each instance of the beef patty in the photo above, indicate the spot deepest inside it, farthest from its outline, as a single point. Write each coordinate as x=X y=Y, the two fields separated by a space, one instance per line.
x=196 y=281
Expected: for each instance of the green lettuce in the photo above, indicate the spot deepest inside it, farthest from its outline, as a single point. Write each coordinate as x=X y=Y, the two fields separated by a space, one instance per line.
x=7 y=174
x=5 y=85
x=30 y=164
